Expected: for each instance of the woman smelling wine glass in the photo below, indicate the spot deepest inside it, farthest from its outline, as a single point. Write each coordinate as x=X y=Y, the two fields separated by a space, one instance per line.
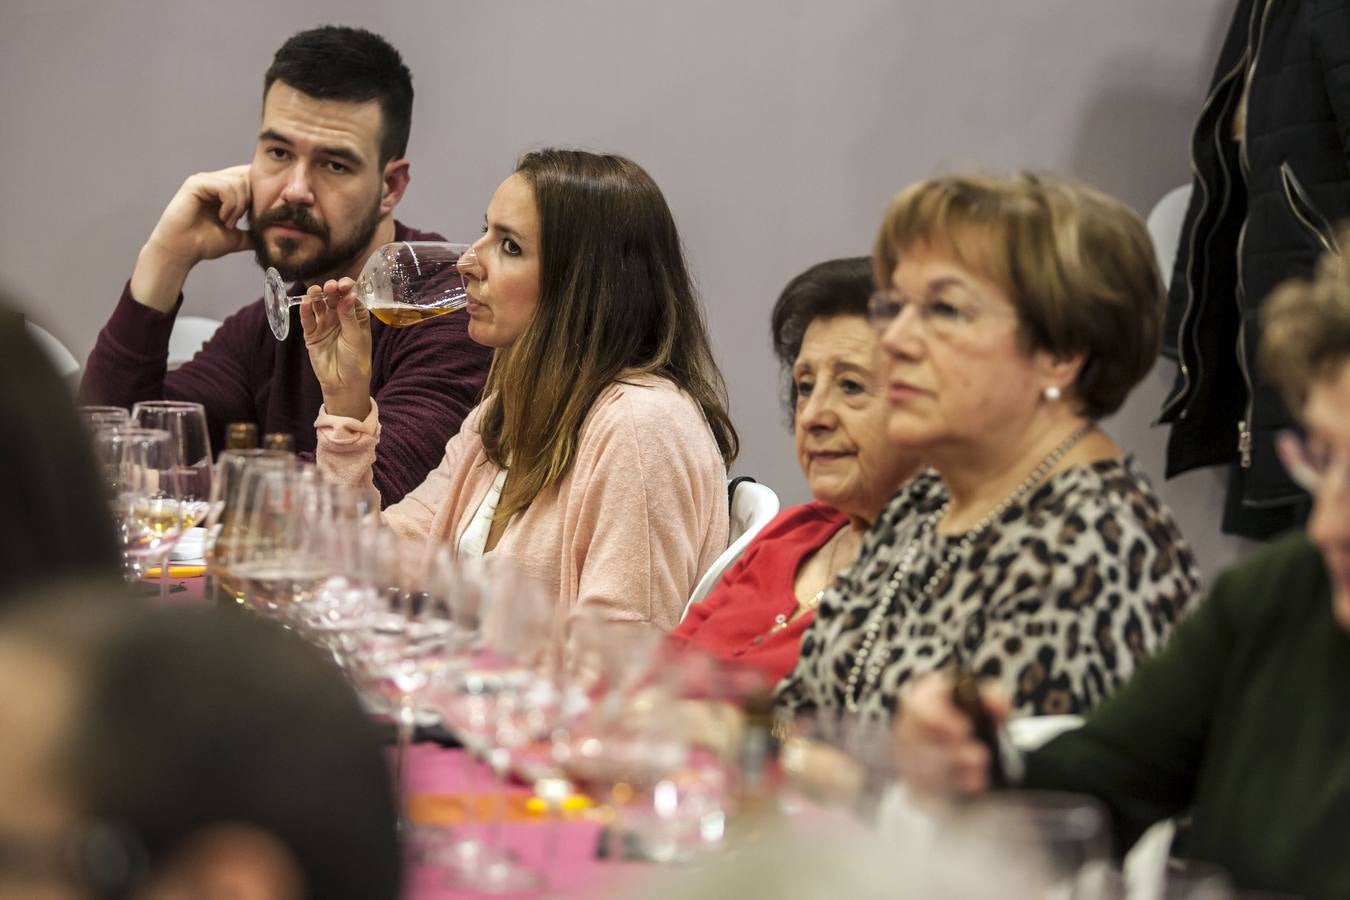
x=597 y=460
x=1014 y=313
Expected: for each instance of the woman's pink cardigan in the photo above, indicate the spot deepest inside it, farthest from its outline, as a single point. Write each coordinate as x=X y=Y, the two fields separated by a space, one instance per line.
x=627 y=532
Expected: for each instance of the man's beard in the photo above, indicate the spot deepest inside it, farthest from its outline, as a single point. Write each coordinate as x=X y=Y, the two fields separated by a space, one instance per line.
x=331 y=258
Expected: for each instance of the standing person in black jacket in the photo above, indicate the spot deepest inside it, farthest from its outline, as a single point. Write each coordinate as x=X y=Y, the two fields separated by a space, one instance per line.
x=1271 y=179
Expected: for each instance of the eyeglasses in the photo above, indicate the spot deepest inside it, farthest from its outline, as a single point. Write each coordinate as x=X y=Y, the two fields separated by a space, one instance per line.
x=938 y=316
x=1312 y=467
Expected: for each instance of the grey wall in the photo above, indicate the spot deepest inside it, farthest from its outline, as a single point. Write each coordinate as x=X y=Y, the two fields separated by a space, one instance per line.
x=777 y=128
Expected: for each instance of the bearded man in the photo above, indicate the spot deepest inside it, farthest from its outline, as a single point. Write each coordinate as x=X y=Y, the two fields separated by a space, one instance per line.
x=319 y=195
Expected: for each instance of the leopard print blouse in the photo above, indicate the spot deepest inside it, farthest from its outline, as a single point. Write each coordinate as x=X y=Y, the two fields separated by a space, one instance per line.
x=1059 y=599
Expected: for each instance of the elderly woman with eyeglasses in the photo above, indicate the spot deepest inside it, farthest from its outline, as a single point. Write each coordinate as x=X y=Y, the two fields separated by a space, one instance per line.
x=1243 y=719
x=1014 y=315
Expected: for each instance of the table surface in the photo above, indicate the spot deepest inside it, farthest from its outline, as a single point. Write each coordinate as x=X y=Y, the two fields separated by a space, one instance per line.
x=447 y=788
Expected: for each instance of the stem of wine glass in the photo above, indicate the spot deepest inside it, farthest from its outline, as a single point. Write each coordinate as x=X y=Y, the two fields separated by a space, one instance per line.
x=164 y=577
x=500 y=760
x=131 y=570
x=404 y=733
x=553 y=790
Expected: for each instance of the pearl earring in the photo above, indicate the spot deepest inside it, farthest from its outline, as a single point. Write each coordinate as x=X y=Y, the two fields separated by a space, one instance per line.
x=1052 y=393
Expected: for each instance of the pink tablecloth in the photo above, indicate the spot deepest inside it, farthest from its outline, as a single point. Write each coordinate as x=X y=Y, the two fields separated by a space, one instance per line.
x=442 y=783
x=448 y=788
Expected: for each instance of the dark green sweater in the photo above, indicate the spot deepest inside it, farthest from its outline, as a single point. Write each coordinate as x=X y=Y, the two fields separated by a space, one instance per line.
x=1244 y=719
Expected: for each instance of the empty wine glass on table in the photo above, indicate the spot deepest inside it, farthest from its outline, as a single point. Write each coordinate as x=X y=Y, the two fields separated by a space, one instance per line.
x=341 y=527
x=140 y=470
x=230 y=518
x=410 y=634
x=186 y=424
x=1058 y=842
x=401 y=284
x=502 y=696
x=96 y=417
x=281 y=552
x=631 y=748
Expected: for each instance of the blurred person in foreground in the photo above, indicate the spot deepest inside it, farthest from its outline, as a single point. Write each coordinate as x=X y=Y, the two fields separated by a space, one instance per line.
x=762 y=605
x=1242 y=720
x=328 y=170
x=56 y=521
x=1014 y=314
x=183 y=753
x=597 y=461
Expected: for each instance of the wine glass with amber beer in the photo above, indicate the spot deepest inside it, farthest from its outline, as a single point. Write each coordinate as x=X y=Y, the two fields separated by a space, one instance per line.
x=401 y=284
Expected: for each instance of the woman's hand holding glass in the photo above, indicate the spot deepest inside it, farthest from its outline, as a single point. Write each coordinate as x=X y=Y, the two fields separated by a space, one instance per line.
x=337 y=335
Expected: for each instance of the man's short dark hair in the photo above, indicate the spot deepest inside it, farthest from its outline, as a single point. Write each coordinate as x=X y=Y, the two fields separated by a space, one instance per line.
x=335 y=62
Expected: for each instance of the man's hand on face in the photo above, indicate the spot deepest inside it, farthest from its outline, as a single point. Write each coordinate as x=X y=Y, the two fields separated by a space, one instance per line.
x=198 y=224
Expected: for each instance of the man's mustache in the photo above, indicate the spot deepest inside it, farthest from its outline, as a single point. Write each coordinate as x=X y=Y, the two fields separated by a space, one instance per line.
x=298 y=217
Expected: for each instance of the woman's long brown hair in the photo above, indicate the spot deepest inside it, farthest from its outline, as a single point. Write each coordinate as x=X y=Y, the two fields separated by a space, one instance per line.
x=615 y=300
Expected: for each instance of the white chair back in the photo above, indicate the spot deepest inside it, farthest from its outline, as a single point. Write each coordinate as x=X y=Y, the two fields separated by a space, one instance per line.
x=1030 y=732
x=752 y=506
x=189 y=333
x=1164 y=226
x=62 y=359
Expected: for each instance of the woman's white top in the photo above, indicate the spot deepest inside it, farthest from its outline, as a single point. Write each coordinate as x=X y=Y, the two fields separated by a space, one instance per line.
x=474 y=538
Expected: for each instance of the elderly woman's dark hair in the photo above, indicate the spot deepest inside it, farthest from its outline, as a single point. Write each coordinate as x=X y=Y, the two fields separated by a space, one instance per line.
x=836 y=287
x=186 y=718
x=1305 y=328
x=54 y=515
x=1078 y=265
x=615 y=299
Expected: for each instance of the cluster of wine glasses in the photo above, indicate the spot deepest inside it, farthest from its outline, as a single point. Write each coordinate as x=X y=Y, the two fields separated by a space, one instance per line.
x=583 y=705
x=499 y=694
x=157 y=468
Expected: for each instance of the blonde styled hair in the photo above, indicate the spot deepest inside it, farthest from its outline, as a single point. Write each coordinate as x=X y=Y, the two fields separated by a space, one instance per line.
x=1078 y=266
x=1305 y=328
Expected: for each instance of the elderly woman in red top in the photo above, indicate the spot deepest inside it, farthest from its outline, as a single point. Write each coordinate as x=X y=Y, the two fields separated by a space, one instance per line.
x=837 y=402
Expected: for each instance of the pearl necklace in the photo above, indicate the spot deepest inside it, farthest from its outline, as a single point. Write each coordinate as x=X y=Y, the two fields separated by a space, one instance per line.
x=866 y=670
